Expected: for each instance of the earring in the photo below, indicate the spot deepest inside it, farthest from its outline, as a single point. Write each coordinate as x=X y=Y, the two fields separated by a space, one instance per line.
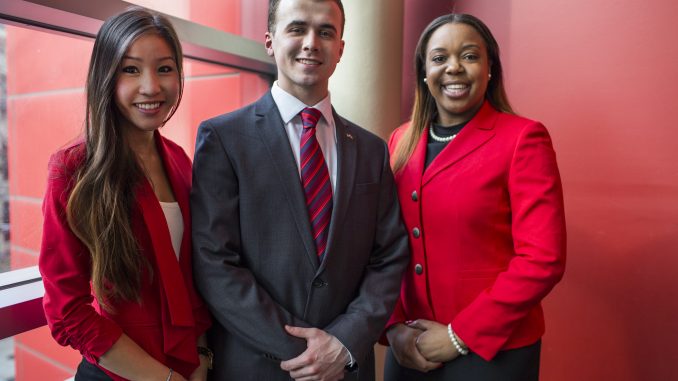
x=425 y=79
x=489 y=76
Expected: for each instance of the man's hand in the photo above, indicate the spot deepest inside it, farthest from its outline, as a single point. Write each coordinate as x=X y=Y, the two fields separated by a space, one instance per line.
x=402 y=339
x=324 y=358
x=434 y=342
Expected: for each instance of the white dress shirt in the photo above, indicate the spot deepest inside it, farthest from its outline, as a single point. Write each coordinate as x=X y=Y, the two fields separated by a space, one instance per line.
x=325 y=132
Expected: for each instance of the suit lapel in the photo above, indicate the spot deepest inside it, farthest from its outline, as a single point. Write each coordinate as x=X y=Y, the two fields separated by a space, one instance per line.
x=272 y=132
x=346 y=172
x=477 y=132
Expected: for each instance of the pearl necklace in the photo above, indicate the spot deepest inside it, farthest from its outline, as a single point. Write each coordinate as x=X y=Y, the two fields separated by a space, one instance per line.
x=440 y=139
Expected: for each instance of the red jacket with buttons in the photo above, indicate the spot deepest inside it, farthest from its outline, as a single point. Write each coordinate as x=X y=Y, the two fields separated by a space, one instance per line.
x=487 y=231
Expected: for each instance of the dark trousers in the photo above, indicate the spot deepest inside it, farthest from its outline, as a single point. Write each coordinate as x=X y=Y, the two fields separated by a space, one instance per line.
x=520 y=364
x=90 y=372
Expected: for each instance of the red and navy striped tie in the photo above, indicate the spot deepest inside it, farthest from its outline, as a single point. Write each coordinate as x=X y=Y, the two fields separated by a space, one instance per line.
x=315 y=179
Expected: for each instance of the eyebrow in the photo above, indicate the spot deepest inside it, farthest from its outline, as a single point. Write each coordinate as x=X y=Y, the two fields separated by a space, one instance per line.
x=304 y=23
x=464 y=47
x=328 y=26
x=467 y=46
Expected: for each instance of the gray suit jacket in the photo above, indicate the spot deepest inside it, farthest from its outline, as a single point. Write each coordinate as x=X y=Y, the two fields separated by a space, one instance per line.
x=254 y=255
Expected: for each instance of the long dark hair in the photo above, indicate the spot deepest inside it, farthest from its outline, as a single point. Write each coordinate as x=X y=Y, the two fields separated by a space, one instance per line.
x=101 y=201
x=424 y=104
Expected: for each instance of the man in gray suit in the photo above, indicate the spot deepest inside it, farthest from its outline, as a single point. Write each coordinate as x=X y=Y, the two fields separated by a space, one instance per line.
x=298 y=244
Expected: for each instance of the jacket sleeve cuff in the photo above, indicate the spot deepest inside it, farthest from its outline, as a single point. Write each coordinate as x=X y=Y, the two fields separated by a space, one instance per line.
x=397 y=317
x=485 y=347
x=101 y=344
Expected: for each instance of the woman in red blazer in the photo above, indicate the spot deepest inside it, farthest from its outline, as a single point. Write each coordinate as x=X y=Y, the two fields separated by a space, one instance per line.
x=482 y=199
x=116 y=246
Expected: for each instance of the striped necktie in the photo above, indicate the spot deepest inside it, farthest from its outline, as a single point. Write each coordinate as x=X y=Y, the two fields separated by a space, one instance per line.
x=315 y=179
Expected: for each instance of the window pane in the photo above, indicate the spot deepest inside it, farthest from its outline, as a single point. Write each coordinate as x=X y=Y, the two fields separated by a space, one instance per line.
x=4 y=191
x=210 y=90
x=34 y=355
x=247 y=18
x=44 y=102
x=7 y=372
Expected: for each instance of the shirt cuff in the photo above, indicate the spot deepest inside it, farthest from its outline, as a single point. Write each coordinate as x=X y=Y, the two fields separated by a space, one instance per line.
x=351 y=360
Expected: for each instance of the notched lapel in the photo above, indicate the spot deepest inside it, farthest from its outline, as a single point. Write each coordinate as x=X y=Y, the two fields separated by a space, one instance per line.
x=347 y=153
x=270 y=127
x=477 y=132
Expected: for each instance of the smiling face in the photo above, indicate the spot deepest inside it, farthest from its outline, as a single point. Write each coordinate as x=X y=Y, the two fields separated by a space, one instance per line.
x=457 y=72
x=306 y=44
x=147 y=84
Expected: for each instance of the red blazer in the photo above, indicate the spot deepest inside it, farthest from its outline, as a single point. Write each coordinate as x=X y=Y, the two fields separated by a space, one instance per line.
x=491 y=231
x=170 y=316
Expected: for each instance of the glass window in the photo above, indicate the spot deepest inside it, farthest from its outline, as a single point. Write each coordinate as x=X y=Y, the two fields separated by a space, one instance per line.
x=7 y=371
x=34 y=355
x=246 y=18
x=4 y=191
x=43 y=110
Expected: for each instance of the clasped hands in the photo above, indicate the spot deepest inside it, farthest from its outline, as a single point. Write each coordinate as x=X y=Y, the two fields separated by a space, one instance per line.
x=422 y=345
x=324 y=359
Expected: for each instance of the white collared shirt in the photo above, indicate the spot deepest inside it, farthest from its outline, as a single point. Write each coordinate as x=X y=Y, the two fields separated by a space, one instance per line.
x=290 y=107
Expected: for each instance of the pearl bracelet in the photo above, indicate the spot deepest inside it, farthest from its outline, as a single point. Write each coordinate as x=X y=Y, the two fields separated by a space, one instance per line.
x=462 y=351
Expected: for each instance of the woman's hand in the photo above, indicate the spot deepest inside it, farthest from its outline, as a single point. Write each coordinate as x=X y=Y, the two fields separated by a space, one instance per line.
x=178 y=377
x=200 y=373
x=434 y=343
x=402 y=339
x=127 y=359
